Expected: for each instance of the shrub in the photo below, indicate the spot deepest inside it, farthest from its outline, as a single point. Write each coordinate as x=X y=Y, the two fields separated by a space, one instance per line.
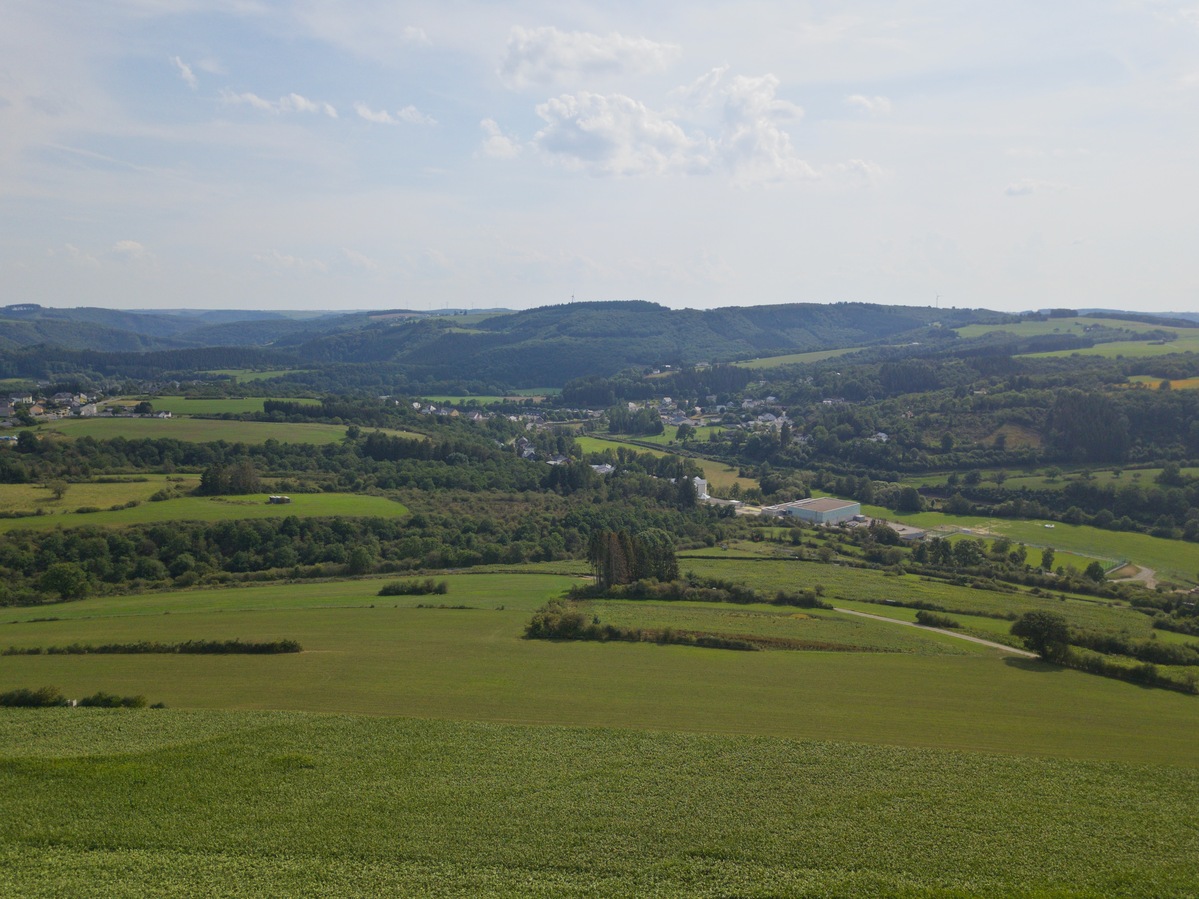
x=42 y=697
x=414 y=588
x=932 y=619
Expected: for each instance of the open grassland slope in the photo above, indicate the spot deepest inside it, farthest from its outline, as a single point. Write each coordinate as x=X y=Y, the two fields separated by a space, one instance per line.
x=214 y=508
x=243 y=804
x=384 y=655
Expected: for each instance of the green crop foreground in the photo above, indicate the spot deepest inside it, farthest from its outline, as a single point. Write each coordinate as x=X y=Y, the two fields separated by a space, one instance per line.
x=227 y=804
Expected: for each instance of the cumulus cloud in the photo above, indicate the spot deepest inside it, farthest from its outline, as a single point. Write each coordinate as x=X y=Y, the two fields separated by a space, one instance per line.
x=289 y=103
x=284 y=262
x=616 y=135
x=737 y=124
x=549 y=56
x=185 y=72
x=409 y=114
x=872 y=105
x=496 y=144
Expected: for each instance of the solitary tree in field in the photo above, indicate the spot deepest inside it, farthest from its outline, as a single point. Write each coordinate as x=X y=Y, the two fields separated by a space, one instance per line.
x=1045 y=633
x=1047 y=558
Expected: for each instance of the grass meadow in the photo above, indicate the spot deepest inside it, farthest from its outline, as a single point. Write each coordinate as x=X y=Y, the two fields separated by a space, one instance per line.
x=372 y=655
x=1187 y=342
x=183 y=405
x=196 y=430
x=246 y=374
x=1174 y=559
x=244 y=804
x=1068 y=325
x=188 y=508
x=795 y=358
x=435 y=752
x=717 y=474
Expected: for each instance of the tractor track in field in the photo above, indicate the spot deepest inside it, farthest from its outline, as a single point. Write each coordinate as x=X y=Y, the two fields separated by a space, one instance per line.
x=940 y=630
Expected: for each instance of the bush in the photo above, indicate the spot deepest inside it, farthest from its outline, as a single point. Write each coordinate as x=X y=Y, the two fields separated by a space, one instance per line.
x=24 y=698
x=932 y=619
x=103 y=700
x=414 y=588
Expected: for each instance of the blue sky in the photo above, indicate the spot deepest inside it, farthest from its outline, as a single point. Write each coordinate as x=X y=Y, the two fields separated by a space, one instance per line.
x=354 y=155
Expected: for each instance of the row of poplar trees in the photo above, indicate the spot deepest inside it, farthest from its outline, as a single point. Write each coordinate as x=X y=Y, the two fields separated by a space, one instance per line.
x=618 y=558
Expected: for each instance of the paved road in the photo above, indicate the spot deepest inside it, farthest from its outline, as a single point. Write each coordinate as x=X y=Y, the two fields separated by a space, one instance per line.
x=941 y=630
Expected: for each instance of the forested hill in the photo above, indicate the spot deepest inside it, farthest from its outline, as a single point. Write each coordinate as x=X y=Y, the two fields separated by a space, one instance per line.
x=553 y=344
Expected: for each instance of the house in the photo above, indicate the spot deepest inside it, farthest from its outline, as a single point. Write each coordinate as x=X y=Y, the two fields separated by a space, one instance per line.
x=701 y=487
x=278 y=500
x=603 y=469
x=827 y=510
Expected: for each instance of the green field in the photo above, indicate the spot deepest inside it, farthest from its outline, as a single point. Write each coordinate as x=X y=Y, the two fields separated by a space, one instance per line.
x=1170 y=558
x=1130 y=349
x=243 y=804
x=384 y=656
x=717 y=474
x=182 y=405
x=246 y=374
x=1068 y=325
x=139 y=488
x=796 y=358
x=201 y=508
x=197 y=430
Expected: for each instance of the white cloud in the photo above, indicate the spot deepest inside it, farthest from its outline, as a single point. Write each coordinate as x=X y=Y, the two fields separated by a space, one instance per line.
x=873 y=105
x=289 y=103
x=549 y=56
x=414 y=116
x=130 y=249
x=185 y=72
x=409 y=114
x=497 y=144
x=382 y=117
x=1028 y=186
x=360 y=260
x=284 y=262
x=752 y=141
x=616 y=135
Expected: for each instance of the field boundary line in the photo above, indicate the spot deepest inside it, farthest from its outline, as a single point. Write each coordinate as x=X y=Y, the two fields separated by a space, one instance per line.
x=941 y=630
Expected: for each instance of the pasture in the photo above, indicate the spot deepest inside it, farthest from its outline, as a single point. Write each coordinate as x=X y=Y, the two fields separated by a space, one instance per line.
x=202 y=508
x=271 y=803
x=366 y=654
x=185 y=405
x=1130 y=349
x=246 y=374
x=795 y=358
x=196 y=430
x=103 y=495
x=1075 y=325
x=1175 y=559
x=717 y=474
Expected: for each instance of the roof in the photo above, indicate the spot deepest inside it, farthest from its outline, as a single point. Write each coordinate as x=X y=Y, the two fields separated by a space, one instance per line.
x=821 y=504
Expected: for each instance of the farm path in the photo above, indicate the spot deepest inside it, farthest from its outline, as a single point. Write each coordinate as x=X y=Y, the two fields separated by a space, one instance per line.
x=941 y=630
x=1146 y=577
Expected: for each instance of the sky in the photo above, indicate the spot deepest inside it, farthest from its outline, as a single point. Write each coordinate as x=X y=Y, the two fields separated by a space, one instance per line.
x=372 y=154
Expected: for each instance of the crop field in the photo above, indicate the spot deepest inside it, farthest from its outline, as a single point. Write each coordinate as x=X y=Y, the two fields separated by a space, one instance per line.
x=1156 y=383
x=206 y=508
x=34 y=497
x=366 y=654
x=197 y=430
x=182 y=405
x=276 y=803
x=795 y=358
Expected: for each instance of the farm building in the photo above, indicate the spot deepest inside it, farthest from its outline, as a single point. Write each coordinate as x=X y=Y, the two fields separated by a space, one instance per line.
x=818 y=510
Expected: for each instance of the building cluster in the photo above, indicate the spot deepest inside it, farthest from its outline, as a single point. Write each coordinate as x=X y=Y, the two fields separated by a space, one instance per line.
x=17 y=408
